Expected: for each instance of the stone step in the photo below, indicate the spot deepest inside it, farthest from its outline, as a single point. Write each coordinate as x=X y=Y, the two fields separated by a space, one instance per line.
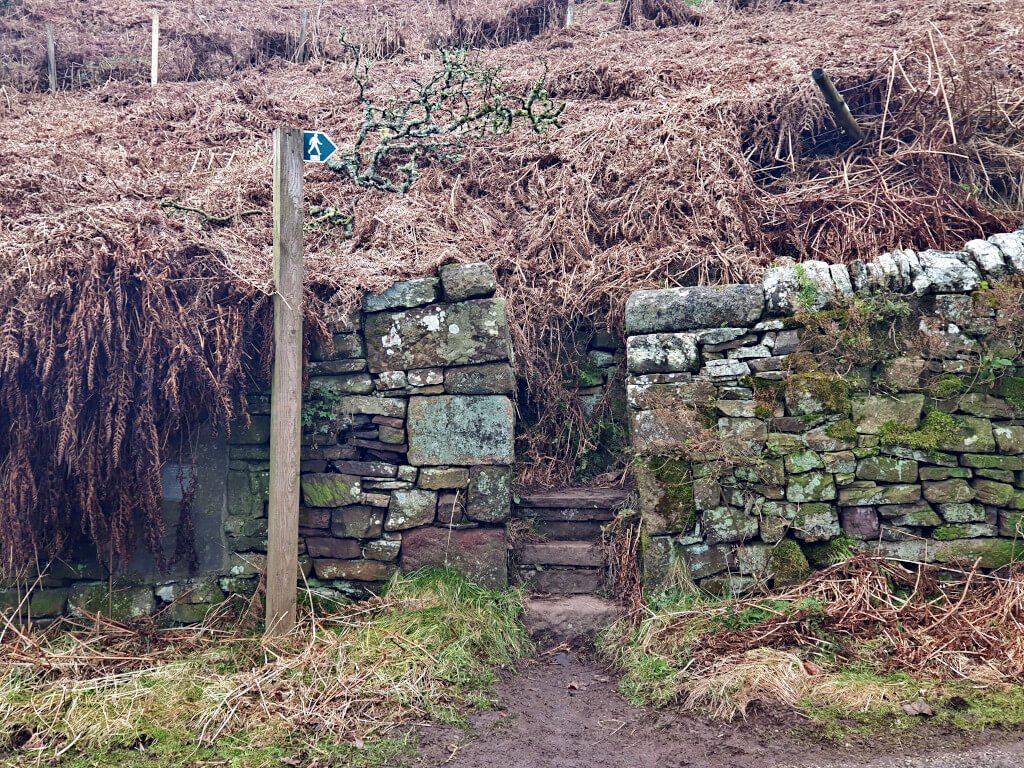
x=576 y=553
x=584 y=530
x=562 y=581
x=576 y=498
x=565 y=514
x=571 y=619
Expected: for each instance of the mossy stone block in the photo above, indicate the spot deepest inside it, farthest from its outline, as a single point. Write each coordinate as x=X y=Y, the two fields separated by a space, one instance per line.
x=328 y=489
x=666 y=495
x=46 y=603
x=814 y=393
x=989 y=553
x=816 y=522
x=872 y=495
x=409 y=509
x=870 y=412
x=803 y=461
x=984 y=461
x=725 y=524
x=788 y=564
x=933 y=474
x=489 y=497
x=962 y=512
x=120 y=604
x=704 y=560
x=948 y=491
x=887 y=469
x=993 y=493
x=811 y=486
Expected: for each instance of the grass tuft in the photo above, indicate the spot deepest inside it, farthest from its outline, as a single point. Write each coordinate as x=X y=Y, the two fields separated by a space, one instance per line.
x=427 y=649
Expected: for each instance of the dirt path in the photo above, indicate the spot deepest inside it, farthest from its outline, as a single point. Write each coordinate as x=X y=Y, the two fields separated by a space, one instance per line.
x=563 y=712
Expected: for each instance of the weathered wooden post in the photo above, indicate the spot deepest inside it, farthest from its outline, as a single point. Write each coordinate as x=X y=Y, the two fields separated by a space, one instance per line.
x=838 y=105
x=286 y=386
x=51 y=57
x=300 y=49
x=570 y=13
x=154 y=63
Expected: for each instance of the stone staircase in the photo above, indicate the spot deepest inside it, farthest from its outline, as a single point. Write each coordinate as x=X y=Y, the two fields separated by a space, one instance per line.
x=569 y=559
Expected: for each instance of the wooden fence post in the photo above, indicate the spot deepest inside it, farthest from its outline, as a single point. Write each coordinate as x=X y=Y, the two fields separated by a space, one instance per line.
x=51 y=58
x=570 y=13
x=838 y=105
x=154 y=64
x=300 y=50
x=286 y=388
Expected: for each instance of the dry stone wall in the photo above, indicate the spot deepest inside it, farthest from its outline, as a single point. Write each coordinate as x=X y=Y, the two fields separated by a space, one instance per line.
x=407 y=442
x=406 y=461
x=781 y=426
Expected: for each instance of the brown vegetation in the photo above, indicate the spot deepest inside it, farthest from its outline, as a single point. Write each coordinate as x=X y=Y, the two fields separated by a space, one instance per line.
x=691 y=153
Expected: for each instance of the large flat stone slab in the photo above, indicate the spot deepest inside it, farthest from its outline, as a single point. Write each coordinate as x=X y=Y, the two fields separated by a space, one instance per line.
x=437 y=336
x=569 y=619
x=479 y=554
x=686 y=309
x=460 y=430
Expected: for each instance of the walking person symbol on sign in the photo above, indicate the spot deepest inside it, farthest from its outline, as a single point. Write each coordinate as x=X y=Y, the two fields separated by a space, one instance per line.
x=317 y=146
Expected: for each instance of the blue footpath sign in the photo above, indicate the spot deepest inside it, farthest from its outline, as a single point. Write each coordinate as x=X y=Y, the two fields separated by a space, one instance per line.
x=317 y=146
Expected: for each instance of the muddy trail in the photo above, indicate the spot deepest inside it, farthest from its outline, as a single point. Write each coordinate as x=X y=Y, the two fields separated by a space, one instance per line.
x=562 y=710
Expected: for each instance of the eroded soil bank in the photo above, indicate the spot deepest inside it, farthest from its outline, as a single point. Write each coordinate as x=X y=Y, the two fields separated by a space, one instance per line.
x=563 y=711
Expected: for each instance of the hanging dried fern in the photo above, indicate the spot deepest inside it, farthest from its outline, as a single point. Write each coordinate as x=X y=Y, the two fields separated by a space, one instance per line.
x=103 y=360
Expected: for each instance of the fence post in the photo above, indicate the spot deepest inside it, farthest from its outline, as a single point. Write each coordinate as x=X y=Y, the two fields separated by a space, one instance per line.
x=838 y=105
x=570 y=13
x=51 y=58
x=154 y=65
x=286 y=387
x=300 y=50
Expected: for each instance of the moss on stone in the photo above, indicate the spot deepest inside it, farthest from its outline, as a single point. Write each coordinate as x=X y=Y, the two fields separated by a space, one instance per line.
x=801 y=362
x=948 y=386
x=842 y=430
x=676 y=505
x=1012 y=388
x=990 y=553
x=949 y=532
x=937 y=429
x=589 y=376
x=832 y=392
x=788 y=563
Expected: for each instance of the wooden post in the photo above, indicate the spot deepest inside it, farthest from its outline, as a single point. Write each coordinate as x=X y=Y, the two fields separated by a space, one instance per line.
x=300 y=50
x=286 y=388
x=570 y=13
x=51 y=57
x=154 y=63
x=838 y=105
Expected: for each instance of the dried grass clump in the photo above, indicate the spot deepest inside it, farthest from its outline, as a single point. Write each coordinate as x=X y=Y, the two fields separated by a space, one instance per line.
x=849 y=636
x=431 y=641
x=503 y=23
x=661 y=13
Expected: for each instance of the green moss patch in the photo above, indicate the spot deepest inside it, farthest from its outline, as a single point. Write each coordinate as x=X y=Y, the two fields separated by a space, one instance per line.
x=937 y=429
x=947 y=386
x=788 y=563
x=676 y=505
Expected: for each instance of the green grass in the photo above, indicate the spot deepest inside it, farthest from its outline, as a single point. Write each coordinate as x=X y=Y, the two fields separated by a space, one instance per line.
x=429 y=650
x=238 y=753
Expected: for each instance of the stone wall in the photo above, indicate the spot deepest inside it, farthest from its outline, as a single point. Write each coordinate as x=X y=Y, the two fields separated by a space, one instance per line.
x=782 y=426
x=406 y=461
